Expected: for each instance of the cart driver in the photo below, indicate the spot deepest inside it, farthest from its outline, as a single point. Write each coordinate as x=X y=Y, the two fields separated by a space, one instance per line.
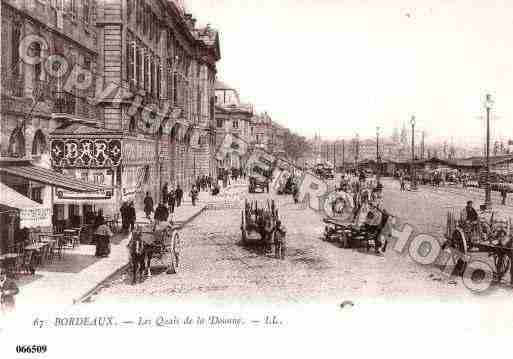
x=470 y=214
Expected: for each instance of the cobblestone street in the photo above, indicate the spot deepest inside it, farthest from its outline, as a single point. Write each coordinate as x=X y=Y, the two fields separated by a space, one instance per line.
x=217 y=268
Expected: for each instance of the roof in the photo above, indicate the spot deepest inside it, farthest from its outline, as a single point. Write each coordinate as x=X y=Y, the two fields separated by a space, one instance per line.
x=480 y=161
x=220 y=85
x=49 y=177
x=435 y=160
x=78 y=129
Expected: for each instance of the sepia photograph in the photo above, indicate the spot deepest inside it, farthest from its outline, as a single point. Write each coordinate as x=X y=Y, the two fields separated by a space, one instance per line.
x=196 y=177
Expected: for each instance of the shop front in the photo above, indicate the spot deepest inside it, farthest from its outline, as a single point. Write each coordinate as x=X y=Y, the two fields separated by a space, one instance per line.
x=91 y=155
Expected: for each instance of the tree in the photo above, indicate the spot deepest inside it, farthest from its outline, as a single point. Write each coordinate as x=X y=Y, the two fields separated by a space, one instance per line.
x=295 y=146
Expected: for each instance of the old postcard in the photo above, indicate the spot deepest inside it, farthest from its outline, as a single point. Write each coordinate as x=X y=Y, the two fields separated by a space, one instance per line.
x=197 y=177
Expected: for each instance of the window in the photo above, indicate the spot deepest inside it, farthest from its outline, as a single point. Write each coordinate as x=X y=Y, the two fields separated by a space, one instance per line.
x=72 y=8
x=36 y=195
x=137 y=73
x=16 y=35
x=175 y=89
x=219 y=123
x=85 y=11
x=146 y=61
x=129 y=5
x=235 y=124
x=159 y=79
x=37 y=54
x=39 y=143
x=130 y=56
x=146 y=23
x=140 y=75
x=17 y=144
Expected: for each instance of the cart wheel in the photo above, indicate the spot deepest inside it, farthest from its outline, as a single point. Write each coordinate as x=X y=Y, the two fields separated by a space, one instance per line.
x=459 y=243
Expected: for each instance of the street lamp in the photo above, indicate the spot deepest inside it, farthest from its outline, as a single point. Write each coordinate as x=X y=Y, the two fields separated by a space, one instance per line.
x=378 y=160
x=488 y=105
x=413 y=177
x=357 y=150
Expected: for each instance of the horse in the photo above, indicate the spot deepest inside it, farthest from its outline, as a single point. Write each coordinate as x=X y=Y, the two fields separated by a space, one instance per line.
x=139 y=256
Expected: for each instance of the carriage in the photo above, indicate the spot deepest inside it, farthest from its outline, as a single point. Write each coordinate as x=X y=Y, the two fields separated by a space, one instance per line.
x=257 y=223
x=491 y=235
x=346 y=218
x=153 y=246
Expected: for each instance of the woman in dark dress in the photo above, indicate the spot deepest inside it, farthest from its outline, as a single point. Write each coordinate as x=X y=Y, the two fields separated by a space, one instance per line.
x=103 y=235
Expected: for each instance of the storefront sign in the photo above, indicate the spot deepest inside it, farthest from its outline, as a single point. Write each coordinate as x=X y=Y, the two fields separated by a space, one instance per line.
x=88 y=153
x=103 y=177
x=35 y=217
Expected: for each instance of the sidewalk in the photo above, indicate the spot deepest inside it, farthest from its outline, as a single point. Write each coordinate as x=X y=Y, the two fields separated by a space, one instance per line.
x=79 y=273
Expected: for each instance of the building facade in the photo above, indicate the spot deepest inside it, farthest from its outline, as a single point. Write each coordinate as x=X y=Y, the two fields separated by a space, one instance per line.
x=235 y=118
x=123 y=97
x=35 y=97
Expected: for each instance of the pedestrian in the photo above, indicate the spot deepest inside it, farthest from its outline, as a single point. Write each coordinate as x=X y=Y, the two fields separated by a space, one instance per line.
x=131 y=216
x=8 y=289
x=165 y=193
x=279 y=240
x=102 y=235
x=178 y=196
x=124 y=211
x=403 y=186
x=161 y=213
x=295 y=193
x=177 y=247
x=148 y=205
x=194 y=195
x=504 y=195
x=171 y=199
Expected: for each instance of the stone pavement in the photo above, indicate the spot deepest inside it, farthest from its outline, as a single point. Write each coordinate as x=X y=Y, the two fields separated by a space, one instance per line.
x=79 y=273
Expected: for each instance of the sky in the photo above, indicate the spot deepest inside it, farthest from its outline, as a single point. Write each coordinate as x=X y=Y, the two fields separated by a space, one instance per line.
x=341 y=67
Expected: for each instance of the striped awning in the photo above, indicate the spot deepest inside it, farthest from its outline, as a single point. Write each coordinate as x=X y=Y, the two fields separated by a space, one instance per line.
x=32 y=214
x=52 y=178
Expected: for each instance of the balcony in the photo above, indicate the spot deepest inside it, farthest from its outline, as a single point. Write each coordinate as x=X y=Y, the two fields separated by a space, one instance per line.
x=69 y=104
x=13 y=85
x=65 y=103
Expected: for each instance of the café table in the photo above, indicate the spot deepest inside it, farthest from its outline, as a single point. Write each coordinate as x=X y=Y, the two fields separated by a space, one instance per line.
x=53 y=242
x=37 y=247
x=8 y=261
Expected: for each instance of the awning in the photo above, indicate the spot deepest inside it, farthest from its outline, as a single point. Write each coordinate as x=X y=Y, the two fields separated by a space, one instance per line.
x=32 y=214
x=49 y=177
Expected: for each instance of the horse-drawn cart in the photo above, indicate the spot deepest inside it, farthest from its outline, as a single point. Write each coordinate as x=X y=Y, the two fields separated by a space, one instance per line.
x=354 y=224
x=490 y=235
x=154 y=246
x=258 y=223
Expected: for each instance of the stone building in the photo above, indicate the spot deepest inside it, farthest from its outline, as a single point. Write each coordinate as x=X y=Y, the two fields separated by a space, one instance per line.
x=42 y=43
x=123 y=98
x=168 y=66
x=232 y=117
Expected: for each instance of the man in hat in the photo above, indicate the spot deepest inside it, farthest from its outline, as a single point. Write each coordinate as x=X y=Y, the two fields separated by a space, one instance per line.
x=8 y=289
x=279 y=240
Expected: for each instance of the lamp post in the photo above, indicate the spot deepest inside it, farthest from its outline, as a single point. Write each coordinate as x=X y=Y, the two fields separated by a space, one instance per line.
x=378 y=161
x=413 y=177
x=357 y=150
x=488 y=106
